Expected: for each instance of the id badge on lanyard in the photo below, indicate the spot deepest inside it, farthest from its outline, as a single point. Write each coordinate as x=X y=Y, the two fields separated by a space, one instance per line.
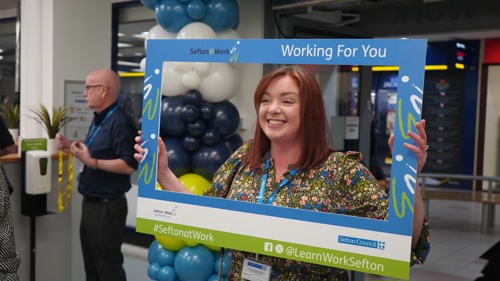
x=255 y=270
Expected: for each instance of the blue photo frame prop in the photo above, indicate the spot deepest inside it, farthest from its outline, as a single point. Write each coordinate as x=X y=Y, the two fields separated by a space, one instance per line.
x=353 y=243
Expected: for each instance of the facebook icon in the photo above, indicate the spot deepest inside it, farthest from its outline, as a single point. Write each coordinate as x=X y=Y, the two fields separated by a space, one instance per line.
x=268 y=247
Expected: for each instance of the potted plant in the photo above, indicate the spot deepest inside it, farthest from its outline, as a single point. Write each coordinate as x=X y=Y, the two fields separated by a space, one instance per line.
x=52 y=123
x=11 y=114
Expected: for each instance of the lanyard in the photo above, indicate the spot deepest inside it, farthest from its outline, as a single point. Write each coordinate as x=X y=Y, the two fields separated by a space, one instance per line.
x=94 y=133
x=286 y=180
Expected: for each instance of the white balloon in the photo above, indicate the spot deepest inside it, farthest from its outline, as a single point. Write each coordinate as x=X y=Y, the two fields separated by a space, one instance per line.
x=157 y=32
x=196 y=30
x=227 y=34
x=171 y=84
x=219 y=84
x=191 y=80
x=142 y=64
x=183 y=66
x=202 y=68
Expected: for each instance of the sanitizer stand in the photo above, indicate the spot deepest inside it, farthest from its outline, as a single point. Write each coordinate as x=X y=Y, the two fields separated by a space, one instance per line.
x=36 y=176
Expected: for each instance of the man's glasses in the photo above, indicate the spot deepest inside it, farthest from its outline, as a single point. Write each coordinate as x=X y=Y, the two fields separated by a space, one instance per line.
x=88 y=87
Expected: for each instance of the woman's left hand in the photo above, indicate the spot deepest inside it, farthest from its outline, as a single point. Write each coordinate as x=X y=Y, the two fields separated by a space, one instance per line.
x=420 y=147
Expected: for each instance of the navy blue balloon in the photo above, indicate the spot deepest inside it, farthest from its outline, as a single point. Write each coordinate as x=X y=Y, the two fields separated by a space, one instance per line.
x=207 y=111
x=210 y=137
x=197 y=128
x=179 y=159
x=193 y=97
x=221 y=14
x=207 y=159
x=194 y=263
x=172 y=15
x=191 y=143
x=196 y=9
x=171 y=122
x=234 y=142
x=227 y=119
x=190 y=113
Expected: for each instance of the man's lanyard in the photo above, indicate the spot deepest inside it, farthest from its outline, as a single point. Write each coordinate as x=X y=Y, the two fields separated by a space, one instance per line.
x=94 y=133
x=286 y=180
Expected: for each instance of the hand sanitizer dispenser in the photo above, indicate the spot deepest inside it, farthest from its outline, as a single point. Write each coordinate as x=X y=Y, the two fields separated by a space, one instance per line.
x=38 y=172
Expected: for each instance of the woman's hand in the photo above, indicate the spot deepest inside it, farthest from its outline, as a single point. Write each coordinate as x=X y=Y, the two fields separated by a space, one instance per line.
x=164 y=176
x=420 y=147
x=420 y=150
x=162 y=152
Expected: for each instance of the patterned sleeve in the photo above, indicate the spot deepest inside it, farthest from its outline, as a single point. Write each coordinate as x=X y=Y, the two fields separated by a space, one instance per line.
x=225 y=174
x=9 y=259
x=367 y=199
x=419 y=254
x=363 y=195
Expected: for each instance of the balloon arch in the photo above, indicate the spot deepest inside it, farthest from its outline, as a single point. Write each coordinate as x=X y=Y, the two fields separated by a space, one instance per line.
x=198 y=125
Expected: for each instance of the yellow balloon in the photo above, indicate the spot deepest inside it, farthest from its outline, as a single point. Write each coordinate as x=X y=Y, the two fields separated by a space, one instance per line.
x=169 y=243
x=212 y=247
x=195 y=183
x=191 y=243
x=158 y=186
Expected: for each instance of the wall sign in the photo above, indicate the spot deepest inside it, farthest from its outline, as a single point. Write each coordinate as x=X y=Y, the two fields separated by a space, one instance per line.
x=82 y=115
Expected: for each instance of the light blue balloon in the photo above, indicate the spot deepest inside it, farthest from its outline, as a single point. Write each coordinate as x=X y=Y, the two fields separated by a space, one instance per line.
x=196 y=9
x=150 y=4
x=153 y=252
x=166 y=257
x=225 y=266
x=215 y=277
x=221 y=14
x=172 y=15
x=153 y=270
x=194 y=263
x=166 y=273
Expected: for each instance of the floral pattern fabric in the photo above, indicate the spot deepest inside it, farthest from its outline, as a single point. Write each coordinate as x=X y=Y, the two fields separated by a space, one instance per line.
x=340 y=185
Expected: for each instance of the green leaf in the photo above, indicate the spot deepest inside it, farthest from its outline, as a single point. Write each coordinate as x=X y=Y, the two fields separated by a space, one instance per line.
x=10 y=114
x=52 y=124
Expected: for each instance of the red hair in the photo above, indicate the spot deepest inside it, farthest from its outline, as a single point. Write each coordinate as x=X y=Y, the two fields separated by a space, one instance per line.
x=313 y=125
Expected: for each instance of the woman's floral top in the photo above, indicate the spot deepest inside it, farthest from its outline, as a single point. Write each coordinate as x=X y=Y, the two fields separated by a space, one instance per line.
x=340 y=185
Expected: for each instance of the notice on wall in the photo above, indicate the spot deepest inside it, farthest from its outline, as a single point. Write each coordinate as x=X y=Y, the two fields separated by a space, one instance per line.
x=81 y=116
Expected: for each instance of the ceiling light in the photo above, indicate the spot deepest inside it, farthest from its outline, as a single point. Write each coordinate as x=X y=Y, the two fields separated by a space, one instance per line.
x=128 y=63
x=124 y=45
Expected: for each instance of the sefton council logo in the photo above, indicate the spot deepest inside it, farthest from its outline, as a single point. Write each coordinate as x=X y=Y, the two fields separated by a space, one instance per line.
x=233 y=53
x=362 y=242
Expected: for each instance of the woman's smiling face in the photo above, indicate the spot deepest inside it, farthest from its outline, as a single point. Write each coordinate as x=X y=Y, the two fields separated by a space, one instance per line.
x=279 y=111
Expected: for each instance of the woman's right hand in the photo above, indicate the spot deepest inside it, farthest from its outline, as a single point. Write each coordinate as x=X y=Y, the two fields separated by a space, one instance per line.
x=164 y=176
x=162 y=153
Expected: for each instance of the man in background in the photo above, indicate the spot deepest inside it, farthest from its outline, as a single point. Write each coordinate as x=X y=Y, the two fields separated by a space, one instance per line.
x=107 y=161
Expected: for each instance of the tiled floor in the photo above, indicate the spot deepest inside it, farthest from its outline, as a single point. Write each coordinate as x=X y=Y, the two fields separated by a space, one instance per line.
x=456 y=243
